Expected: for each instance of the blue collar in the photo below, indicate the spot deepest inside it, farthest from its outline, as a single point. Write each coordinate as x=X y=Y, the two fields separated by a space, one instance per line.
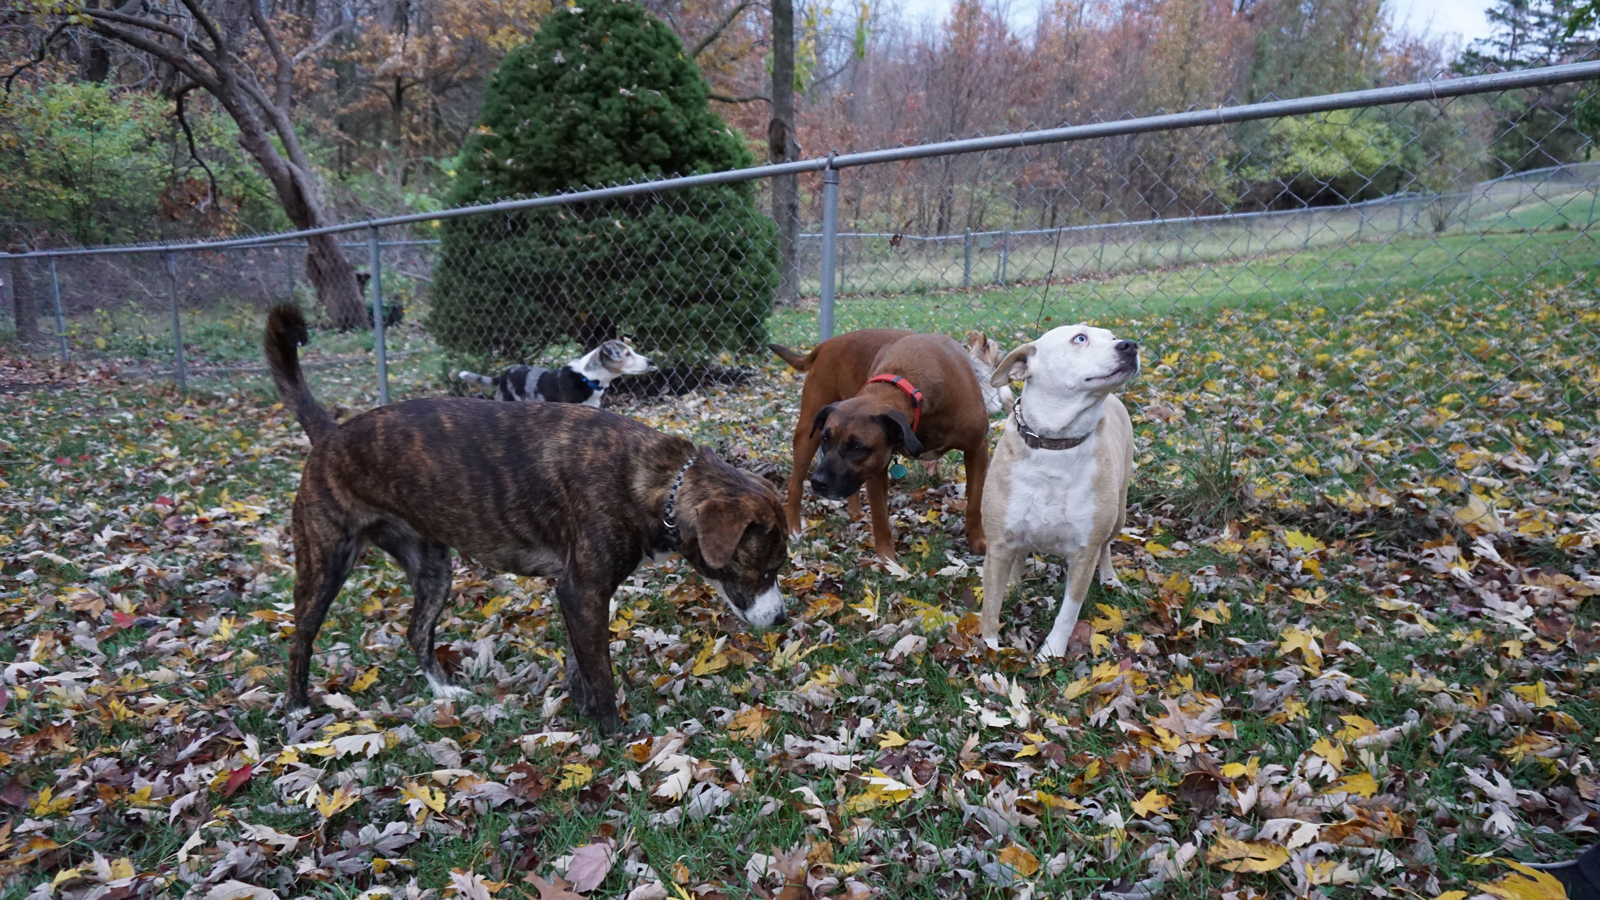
x=591 y=384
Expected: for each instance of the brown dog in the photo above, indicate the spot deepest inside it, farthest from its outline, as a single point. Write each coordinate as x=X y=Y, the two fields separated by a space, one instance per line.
x=530 y=488
x=871 y=394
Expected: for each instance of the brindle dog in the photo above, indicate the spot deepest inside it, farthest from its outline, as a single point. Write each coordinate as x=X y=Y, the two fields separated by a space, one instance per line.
x=562 y=490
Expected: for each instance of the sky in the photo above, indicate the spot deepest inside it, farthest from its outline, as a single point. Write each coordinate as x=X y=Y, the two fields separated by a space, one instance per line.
x=1463 y=18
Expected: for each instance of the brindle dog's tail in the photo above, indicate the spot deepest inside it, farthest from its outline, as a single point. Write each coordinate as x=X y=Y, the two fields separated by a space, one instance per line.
x=793 y=357
x=286 y=331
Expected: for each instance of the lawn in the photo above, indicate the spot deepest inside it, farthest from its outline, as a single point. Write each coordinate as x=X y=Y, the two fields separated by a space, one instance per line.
x=1355 y=656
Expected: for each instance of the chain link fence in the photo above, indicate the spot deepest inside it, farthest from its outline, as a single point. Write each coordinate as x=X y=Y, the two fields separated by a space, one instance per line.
x=1378 y=304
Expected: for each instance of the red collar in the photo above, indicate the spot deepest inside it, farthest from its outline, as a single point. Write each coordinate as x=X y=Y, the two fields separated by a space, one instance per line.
x=911 y=391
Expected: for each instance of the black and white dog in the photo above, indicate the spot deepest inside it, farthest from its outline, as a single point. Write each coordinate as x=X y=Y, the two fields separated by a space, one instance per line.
x=584 y=380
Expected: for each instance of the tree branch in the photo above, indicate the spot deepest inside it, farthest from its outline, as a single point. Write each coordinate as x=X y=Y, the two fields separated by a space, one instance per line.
x=123 y=18
x=44 y=50
x=716 y=32
x=316 y=45
x=194 y=152
x=285 y=77
x=165 y=54
x=217 y=40
x=723 y=98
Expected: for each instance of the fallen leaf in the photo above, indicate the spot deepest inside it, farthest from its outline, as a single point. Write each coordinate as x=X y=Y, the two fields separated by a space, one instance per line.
x=1245 y=856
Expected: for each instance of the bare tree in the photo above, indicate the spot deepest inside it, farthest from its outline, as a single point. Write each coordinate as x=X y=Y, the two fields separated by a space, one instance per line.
x=24 y=306
x=781 y=147
x=232 y=50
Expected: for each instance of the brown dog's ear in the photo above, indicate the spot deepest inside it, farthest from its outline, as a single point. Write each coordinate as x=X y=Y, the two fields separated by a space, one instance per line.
x=899 y=430
x=1014 y=367
x=822 y=418
x=719 y=524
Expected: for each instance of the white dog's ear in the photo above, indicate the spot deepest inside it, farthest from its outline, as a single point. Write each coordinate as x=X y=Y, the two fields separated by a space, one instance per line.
x=1014 y=367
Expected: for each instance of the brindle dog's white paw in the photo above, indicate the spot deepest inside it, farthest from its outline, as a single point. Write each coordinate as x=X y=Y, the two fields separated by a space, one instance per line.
x=1114 y=584
x=444 y=690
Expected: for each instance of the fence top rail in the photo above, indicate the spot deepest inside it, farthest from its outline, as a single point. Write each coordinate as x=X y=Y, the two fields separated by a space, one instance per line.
x=1438 y=89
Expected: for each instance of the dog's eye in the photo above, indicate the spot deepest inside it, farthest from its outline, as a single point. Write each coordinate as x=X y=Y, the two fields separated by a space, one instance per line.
x=1080 y=339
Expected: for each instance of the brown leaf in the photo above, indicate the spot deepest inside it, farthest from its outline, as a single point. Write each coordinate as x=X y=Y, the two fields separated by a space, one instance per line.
x=1199 y=790
x=554 y=890
x=591 y=864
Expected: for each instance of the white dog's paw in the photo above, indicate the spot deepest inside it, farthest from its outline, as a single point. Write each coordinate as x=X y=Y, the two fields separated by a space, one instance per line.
x=444 y=690
x=992 y=642
x=1051 y=649
x=1111 y=584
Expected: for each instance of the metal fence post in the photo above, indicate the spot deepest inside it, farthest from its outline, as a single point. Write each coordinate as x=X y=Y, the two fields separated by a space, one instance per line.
x=288 y=265
x=1005 y=256
x=966 y=260
x=830 y=246
x=375 y=280
x=181 y=370
x=61 y=322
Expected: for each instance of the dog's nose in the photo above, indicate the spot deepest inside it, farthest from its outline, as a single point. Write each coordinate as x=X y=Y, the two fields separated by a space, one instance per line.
x=781 y=619
x=1126 y=347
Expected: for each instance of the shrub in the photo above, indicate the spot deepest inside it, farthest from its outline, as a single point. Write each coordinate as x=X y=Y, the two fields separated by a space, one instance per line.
x=602 y=94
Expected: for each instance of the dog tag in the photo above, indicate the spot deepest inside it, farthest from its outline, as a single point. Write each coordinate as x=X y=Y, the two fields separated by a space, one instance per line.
x=897 y=471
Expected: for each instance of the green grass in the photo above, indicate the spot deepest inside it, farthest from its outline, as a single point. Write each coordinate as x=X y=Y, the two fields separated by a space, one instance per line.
x=1369 y=392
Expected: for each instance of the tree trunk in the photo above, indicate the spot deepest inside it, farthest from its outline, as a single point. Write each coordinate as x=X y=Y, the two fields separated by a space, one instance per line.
x=261 y=109
x=24 y=305
x=330 y=272
x=326 y=266
x=783 y=147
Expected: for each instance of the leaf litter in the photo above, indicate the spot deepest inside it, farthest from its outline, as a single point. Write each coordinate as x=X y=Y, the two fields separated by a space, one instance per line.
x=1382 y=688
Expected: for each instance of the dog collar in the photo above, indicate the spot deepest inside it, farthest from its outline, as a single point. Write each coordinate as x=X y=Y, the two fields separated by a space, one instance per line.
x=591 y=384
x=911 y=391
x=1038 y=442
x=669 y=515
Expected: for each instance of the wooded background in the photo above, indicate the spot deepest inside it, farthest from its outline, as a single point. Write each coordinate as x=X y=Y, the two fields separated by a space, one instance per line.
x=126 y=120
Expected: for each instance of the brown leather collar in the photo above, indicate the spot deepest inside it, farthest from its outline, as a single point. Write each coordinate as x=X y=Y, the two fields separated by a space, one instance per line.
x=1038 y=442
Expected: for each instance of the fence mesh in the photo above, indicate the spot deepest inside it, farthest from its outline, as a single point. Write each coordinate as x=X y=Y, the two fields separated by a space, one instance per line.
x=1381 y=311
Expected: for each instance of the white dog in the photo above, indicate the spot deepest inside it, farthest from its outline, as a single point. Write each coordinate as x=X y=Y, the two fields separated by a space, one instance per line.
x=1058 y=482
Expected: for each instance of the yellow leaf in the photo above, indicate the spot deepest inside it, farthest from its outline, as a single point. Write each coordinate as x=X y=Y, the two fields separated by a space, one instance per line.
x=1025 y=863
x=47 y=804
x=577 y=776
x=1295 y=639
x=494 y=605
x=749 y=724
x=1076 y=689
x=1303 y=542
x=429 y=797
x=1356 y=727
x=707 y=664
x=1360 y=783
x=1151 y=803
x=1478 y=516
x=1527 y=884
x=892 y=739
x=364 y=680
x=1537 y=693
x=1329 y=751
x=1051 y=801
x=882 y=790
x=1234 y=770
x=1245 y=856
x=1452 y=895
x=343 y=798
